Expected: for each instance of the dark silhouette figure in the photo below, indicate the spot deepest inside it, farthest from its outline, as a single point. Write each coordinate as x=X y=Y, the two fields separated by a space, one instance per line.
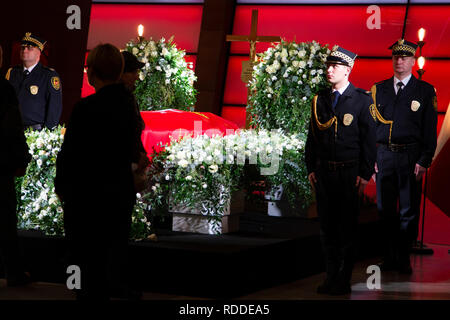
x=14 y=160
x=94 y=176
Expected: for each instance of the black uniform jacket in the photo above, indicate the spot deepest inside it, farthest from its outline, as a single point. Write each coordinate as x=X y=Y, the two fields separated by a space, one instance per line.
x=39 y=95
x=347 y=133
x=410 y=117
x=13 y=146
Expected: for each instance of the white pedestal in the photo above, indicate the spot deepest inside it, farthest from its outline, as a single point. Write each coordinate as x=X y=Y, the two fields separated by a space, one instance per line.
x=187 y=220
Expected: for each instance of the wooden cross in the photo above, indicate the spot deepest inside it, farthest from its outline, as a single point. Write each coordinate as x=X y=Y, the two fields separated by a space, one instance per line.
x=253 y=38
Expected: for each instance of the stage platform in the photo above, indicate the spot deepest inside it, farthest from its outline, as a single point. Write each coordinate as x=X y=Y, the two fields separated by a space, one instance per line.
x=267 y=251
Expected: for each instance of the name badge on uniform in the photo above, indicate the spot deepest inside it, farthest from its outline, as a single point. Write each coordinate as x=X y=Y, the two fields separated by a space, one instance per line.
x=415 y=105
x=348 y=118
x=34 y=90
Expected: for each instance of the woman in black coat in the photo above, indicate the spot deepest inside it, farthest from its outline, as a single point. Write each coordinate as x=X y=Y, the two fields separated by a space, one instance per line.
x=94 y=177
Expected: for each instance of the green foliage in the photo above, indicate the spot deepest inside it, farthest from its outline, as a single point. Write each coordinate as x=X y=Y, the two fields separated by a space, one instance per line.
x=284 y=83
x=167 y=80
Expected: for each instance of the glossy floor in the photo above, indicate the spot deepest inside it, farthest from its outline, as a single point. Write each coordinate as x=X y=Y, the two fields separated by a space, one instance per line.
x=429 y=281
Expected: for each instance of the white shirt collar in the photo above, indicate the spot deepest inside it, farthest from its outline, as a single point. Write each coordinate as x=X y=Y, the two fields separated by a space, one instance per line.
x=30 y=68
x=405 y=82
x=342 y=89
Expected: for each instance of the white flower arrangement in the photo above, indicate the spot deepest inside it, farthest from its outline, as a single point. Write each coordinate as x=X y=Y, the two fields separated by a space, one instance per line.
x=284 y=83
x=39 y=207
x=204 y=171
x=282 y=87
x=167 y=80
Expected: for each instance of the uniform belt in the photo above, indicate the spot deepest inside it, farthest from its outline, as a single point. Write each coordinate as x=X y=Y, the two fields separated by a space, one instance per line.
x=35 y=127
x=335 y=165
x=394 y=147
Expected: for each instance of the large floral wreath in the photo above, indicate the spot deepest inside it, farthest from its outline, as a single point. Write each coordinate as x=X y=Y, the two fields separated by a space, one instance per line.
x=167 y=80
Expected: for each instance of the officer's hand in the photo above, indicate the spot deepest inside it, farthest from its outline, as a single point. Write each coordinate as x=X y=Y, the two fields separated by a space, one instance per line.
x=419 y=171
x=312 y=180
x=376 y=168
x=361 y=184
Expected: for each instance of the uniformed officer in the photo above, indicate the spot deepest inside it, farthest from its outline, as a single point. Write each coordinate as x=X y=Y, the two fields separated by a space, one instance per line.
x=405 y=112
x=340 y=154
x=38 y=88
x=13 y=162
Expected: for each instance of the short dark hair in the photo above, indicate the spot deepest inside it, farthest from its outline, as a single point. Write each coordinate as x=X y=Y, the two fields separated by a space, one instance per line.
x=106 y=62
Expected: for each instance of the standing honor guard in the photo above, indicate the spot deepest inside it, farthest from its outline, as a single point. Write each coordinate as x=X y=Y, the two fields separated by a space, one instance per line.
x=38 y=88
x=405 y=112
x=340 y=155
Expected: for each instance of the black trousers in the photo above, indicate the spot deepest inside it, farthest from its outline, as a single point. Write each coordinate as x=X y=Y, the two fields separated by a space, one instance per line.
x=398 y=201
x=97 y=235
x=338 y=209
x=9 y=247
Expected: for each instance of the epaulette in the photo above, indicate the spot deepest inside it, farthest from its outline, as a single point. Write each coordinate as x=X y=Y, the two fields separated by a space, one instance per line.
x=49 y=69
x=363 y=91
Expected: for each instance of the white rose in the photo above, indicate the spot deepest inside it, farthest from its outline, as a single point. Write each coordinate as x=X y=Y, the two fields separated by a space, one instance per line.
x=135 y=51
x=189 y=178
x=213 y=168
x=167 y=177
x=204 y=186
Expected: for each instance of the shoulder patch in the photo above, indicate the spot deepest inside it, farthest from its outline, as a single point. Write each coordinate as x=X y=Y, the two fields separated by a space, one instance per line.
x=56 y=83
x=435 y=105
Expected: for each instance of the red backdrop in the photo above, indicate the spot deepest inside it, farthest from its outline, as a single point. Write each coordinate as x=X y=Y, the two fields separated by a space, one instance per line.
x=344 y=25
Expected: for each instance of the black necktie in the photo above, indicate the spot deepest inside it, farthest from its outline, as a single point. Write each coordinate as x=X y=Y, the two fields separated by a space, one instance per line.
x=336 y=96
x=25 y=73
x=399 y=87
